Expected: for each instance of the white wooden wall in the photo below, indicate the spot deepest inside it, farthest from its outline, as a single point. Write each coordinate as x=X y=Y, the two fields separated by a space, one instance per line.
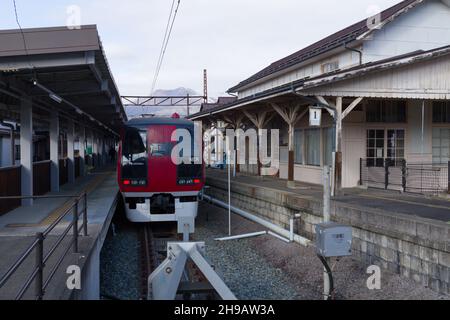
x=425 y=27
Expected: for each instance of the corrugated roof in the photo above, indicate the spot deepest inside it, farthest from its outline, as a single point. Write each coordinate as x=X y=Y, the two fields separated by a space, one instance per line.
x=389 y=63
x=48 y=40
x=331 y=42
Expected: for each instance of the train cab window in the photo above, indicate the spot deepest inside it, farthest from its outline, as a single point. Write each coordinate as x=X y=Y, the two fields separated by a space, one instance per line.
x=134 y=154
x=160 y=149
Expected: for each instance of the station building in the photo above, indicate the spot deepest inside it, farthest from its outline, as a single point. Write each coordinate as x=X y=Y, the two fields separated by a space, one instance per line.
x=384 y=86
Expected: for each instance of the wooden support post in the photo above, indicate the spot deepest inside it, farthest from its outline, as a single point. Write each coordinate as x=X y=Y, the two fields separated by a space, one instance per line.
x=291 y=116
x=338 y=158
x=260 y=120
x=291 y=157
x=448 y=170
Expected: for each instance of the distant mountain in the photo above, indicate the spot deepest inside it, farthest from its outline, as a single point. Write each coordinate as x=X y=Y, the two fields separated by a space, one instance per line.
x=181 y=91
x=165 y=109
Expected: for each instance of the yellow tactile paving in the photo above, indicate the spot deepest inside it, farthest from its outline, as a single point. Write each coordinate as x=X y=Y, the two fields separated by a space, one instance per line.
x=64 y=207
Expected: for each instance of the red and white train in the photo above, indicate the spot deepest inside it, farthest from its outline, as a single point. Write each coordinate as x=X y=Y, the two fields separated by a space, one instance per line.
x=153 y=186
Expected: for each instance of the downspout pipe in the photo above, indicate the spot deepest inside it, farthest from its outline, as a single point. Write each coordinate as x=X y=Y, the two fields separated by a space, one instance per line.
x=12 y=139
x=269 y=225
x=354 y=50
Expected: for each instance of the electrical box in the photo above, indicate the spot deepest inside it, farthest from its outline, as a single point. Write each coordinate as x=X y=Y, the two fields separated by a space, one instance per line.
x=333 y=240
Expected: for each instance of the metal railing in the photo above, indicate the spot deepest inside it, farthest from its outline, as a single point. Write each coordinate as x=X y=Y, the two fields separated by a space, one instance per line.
x=415 y=177
x=37 y=246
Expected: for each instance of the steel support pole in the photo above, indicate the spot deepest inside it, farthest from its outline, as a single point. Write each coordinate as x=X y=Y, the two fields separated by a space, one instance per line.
x=82 y=150
x=70 y=150
x=85 y=218
x=54 y=154
x=75 y=227
x=26 y=150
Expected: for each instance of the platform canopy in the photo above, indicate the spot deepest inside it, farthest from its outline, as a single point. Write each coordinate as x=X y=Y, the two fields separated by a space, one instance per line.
x=59 y=69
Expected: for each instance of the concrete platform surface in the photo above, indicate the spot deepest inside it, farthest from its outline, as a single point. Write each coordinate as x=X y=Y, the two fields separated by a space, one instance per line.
x=18 y=229
x=389 y=201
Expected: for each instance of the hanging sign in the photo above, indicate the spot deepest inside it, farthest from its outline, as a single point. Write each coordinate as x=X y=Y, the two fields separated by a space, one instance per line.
x=315 y=116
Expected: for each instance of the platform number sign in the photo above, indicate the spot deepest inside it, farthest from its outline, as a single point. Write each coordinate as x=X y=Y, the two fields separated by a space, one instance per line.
x=315 y=116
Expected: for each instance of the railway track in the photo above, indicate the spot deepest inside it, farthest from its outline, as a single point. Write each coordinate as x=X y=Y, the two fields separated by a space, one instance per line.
x=154 y=239
x=153 y=250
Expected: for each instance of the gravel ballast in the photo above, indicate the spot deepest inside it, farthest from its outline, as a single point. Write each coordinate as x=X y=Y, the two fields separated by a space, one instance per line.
x=265 y=267
x=120 y=268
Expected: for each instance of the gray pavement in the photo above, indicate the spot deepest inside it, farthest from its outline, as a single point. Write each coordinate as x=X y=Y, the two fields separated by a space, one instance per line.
x=18 y=227
x=393 y=202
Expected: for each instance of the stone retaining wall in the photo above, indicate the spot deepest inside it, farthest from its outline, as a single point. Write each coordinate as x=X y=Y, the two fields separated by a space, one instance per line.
x=413 y=247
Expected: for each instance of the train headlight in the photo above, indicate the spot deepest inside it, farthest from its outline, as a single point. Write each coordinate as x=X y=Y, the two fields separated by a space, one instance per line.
x=135 y=182
x=188 y=181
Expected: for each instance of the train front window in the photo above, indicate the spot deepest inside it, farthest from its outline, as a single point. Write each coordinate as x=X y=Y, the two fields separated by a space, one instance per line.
x=160 y=149
x=134 y=156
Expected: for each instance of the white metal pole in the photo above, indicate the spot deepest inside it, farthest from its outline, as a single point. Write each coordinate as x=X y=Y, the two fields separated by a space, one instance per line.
x=269 y=225
x=229 y=192
x=326 y=218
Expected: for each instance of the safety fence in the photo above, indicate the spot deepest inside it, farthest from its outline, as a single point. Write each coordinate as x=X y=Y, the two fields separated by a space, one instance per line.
x=405 y=176
x=45 y=248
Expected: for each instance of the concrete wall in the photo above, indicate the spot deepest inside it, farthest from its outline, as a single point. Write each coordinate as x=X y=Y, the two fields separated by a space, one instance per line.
x=413 y=247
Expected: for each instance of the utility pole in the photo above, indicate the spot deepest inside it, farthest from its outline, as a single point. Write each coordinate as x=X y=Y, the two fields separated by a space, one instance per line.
x=205 y=85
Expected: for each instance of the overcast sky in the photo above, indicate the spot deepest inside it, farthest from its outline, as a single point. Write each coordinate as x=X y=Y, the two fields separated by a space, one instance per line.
x=233 y=39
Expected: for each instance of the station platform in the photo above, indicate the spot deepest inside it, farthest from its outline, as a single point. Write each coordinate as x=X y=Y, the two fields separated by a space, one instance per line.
x=18 y=230
x=402 y=233
x=394 y=202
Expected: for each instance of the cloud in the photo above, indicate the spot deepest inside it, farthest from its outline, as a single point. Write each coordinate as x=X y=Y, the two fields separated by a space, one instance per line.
x=231 y=38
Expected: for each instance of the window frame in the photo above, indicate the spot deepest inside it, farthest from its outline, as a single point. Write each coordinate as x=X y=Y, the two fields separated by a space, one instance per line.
x=384 y=106
x=438 y=127
x=322 y=132
x=385 y=130
x=445 y=117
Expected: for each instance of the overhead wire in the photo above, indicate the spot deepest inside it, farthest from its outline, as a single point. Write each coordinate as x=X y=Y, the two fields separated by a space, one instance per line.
x=22 y=34
x=165 y=34
x=171 y=22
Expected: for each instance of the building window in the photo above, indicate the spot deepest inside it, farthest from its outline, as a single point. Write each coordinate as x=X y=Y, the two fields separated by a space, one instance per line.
x=330 y=66
x=375 y=148
x=312 y=147
x=298 y=145
x=441 y=145
x=441 y=112
x=396 y=146
x=328 y=146
x=391 y=111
